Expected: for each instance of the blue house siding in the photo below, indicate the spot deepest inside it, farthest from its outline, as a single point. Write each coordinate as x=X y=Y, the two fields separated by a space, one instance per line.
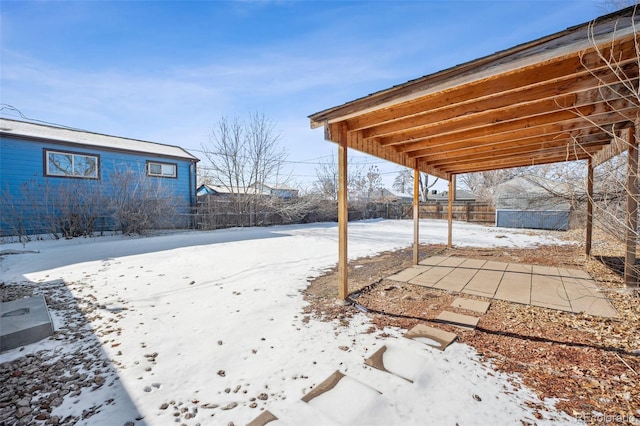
x=29 y=195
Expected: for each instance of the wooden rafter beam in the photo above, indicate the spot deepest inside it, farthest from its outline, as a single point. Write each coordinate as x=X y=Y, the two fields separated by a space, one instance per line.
x=531 y=144
x=530 y=161
x=617 y=146
x=560 y=76
x=521 y=160
x=460 y=131
x=515 y=154
x=551 y=124
x=530 y=102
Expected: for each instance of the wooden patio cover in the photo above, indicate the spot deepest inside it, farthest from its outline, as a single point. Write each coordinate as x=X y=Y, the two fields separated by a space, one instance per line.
x=569 y=96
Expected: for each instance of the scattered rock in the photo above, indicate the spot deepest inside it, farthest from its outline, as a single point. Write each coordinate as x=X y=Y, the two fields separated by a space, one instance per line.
x=210 y=405
x=22 y=411
x=230 y=406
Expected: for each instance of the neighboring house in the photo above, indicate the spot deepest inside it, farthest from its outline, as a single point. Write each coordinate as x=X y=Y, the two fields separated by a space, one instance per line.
x=279 y=191
x=461 y=195
x=265 y=190
x=388 y=195
x=216 y=191
x=533 y=202
x=48 y=171
x=223 y=192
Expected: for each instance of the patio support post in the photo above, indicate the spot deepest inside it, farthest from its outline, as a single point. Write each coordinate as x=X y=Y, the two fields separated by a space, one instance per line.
x=343 y=216
x=452 y=192
x=589 y=225
x=630 y=276
x=416 y=214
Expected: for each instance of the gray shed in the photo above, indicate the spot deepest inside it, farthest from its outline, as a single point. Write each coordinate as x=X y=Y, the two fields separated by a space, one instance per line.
x=533 y=202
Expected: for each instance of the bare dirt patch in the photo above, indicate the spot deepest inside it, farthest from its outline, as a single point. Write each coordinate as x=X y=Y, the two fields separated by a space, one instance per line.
x=591 y=364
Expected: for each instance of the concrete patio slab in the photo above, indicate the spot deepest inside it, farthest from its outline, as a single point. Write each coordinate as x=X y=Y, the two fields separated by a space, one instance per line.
x=458 y=320
x=432 y=276
x=519 y=267
x=409 y=273
x=456 y=280
x=584 y=283
x=431 y=336
x=433 y=260
x=473 y=263
x=585 y=297
x=495 y=266
x=452 y=261
x=548 y=291
x=576 y=288
x=545 y=270
x=515 y=287
x=564 y=289
x=594 y=306
x=574 y=273
x=479 y=306
x=484 y=283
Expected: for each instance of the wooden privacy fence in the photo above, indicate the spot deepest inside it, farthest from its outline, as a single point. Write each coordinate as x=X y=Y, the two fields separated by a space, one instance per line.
x=223 y=214
x=462 y=211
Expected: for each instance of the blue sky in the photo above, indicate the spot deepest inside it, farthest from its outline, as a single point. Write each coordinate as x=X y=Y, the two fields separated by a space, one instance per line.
x=168 y=71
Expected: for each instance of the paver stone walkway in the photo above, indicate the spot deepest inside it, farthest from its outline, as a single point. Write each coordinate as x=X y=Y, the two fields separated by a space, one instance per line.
x=570 y=290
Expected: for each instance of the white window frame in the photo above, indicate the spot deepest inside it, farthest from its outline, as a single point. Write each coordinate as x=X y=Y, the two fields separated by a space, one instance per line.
x=74 y=156
x=167 y=170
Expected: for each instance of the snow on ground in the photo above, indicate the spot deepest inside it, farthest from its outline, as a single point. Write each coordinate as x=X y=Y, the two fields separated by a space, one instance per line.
x=214 y=319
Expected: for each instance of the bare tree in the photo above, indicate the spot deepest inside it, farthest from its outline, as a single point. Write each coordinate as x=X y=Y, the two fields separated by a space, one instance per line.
x=621 y=83
x=326 y=183
x=266 y=157
x=242 y=156
x=373 y=181
x=425 y=185
x=484 y=184
x=403 y=182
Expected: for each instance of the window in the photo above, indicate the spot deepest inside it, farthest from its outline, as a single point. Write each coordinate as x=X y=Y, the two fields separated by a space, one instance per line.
x=69 y=164
x=162 y=169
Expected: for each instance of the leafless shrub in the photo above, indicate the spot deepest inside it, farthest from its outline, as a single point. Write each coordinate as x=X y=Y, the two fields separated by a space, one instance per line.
x=64 y=210
x=139 y=203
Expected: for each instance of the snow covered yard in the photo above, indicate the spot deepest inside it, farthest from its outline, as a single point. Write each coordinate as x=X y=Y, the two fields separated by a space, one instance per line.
x=207 y=328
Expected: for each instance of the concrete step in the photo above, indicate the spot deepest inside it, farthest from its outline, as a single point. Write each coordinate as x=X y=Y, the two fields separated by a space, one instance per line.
x=404 y=363
x=458 y=320
x=430 y=336
x=478 y=306
x=344 y=399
